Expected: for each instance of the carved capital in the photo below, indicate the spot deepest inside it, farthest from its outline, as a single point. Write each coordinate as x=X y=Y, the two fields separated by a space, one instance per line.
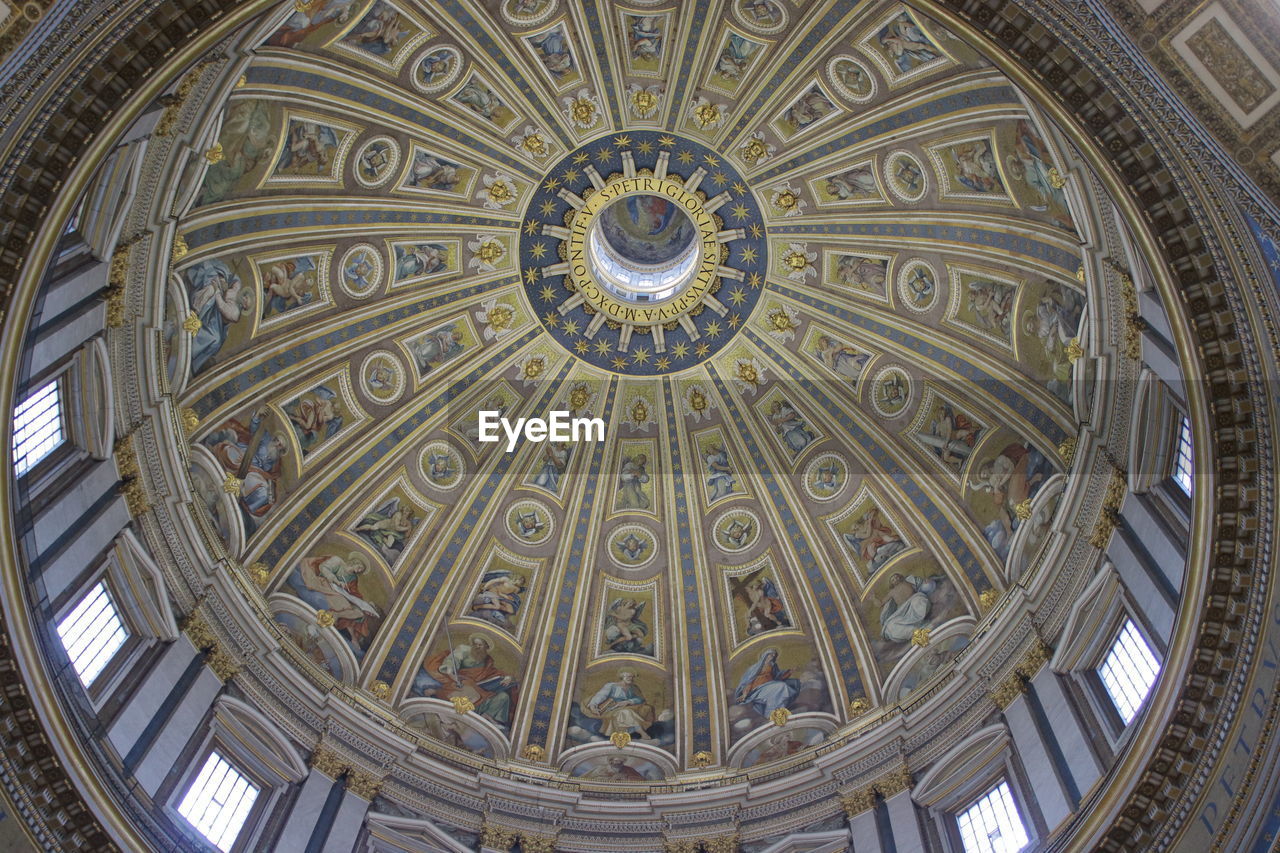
x=1011 y=688
x=535 y=843
x=534 y=752
x=222 y=663
x=198 y=631
x=861 y=800
x=721 y=844
x=363 y=785
x=679 y=845
x=326 y=761
x=497 y=837
x=894 y=783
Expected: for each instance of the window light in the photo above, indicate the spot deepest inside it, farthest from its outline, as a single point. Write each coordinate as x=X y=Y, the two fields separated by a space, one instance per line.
x=92 y=633
x=37 y=427
x=992 y=824
x=218 y=801
x=1182 y=459
x=1129 y=671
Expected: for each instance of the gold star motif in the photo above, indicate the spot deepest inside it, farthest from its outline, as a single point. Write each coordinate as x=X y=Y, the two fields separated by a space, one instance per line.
x=531 y=275
x=571 y=327
x=579 y=159
x=755 y=230
x=740 y=211
x=604 y=155
x=571 y=175
x=548 y=207
x=739 y=188
x=551 y=183
x=738 y=296
x=719 y=179
x=666 y=141
x=603 y=346
x=685 y=157
x=680 y=350
x=640 y=356
x=713 y=329
x=749 y=255
x=622 y=141
x=531 y=227
x=735 y=320
x=581 y=346
x=548 y=293
x=711 y=161
x=619 y=363
x=538 y=249
x=754 y=280
x=645 y=147
x=551 y=319
x=702 y=349
x=663 y=363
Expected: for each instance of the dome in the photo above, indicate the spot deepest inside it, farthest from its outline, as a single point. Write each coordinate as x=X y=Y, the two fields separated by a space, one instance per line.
x=831 y=329
x=569 y=413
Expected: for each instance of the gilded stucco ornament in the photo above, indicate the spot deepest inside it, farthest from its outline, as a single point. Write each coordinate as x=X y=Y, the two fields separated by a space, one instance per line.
x=498 y=838
x=328 y=762
x=363 y=784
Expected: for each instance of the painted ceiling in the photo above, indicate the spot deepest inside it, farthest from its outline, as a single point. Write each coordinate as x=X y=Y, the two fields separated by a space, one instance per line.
x=816 y=476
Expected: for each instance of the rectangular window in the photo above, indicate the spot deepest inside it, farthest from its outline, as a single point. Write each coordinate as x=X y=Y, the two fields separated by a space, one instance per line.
x=1129 y=671
x=992 y=824
x=218 y=801
x=37 y=427
x=1182 y=458
x=91 y=633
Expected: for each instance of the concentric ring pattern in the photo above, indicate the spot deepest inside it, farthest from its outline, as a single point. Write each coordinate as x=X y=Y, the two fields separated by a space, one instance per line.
x=817 y=473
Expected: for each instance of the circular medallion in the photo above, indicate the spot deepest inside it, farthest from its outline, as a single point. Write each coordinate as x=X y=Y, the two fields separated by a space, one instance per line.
x=891 y=391
x=382 y=377
x=530 y=522
x=442 y=465
x=360 y=272
x=643 y=253
x=527 y=13
x=918 y=285
x=761 y=16
x=851 y=79
x=906 y=178
x=436 y=69
x=376 y=161
x=633 y=546
x=825 y=476
x=736 y=530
